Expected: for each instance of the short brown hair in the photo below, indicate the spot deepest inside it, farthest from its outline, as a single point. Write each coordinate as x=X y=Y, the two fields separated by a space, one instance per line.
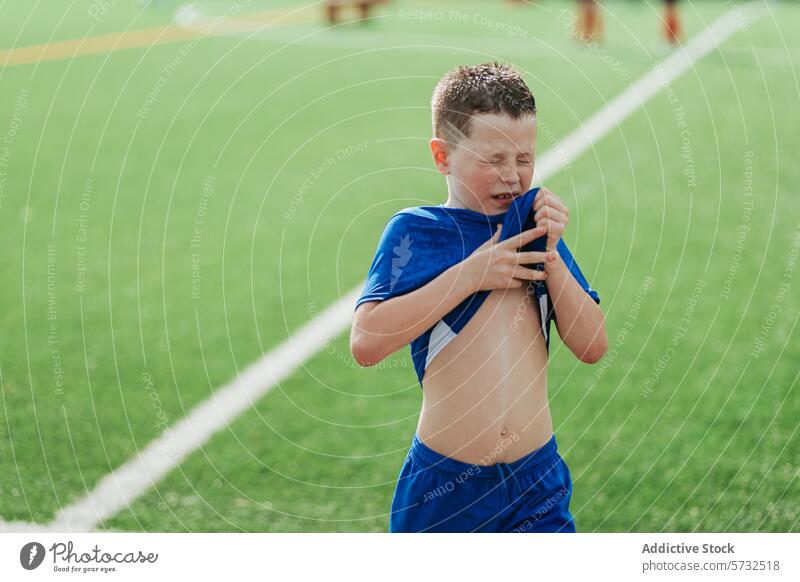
x=487 y=88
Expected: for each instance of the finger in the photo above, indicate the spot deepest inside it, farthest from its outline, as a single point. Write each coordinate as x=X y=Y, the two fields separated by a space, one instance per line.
x=495 y=237
x=524 y=237
x=551 y=213
x=489 y=242
x=554 y=232
x=547 y=226
x=549 y=195
x=551 y=202
x=559 y=205
x=551 y=226
x=541 y=198
x=529 y=274
x=527 y=257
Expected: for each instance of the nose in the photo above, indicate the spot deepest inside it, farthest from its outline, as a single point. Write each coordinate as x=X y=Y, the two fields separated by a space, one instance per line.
x=507 y=173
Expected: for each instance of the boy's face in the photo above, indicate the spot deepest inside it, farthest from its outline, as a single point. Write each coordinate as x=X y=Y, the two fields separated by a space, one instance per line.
x=495 y=160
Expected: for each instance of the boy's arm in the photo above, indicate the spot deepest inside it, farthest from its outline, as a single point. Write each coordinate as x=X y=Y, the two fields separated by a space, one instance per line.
x=380 y=328
x=579 y=320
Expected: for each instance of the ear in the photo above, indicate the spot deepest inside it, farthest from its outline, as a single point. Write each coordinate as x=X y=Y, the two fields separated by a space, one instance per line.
x=441 y=151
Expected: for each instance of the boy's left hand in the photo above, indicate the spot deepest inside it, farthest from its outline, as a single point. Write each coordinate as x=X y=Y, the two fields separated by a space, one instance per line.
x=552 y=213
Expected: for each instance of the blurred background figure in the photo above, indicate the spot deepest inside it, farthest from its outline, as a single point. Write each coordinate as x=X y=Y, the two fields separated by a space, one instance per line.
x=590 y=21
x=672 y=27
x=333 y=8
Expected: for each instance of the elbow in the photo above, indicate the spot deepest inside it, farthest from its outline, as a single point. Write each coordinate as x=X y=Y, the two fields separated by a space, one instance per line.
x=592 y=356
x=595 y=352
x=363 y=351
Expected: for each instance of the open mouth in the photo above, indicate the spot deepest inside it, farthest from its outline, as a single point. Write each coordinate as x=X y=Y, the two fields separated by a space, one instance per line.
x=506 y=197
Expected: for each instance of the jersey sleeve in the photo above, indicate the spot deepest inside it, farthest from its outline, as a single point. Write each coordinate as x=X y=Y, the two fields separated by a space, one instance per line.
x=572 y=265
x=392 y=255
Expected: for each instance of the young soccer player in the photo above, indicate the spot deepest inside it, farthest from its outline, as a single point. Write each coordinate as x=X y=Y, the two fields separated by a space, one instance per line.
x=590 y=21
x=472 y=285
x=672 y=24
x=332 y=8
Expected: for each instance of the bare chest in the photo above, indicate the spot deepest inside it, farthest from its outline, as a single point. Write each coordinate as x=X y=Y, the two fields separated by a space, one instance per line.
x=504 y=333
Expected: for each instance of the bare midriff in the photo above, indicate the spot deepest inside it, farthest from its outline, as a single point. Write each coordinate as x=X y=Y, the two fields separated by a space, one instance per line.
x=485 y=394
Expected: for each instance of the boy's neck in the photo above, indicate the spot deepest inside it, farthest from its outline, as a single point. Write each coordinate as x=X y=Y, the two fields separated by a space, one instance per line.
x=454 y=202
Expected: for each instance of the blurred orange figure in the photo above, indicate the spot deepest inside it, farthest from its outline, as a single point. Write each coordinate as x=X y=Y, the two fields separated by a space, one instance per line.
x=590 y=21
x=332 y=8
x=672 y=26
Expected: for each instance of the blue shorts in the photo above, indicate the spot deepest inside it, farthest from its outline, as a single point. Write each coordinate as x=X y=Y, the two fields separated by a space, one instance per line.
x=436 y=493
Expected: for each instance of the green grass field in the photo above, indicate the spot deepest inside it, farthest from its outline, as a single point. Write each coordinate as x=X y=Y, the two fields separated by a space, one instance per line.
x=170 y=213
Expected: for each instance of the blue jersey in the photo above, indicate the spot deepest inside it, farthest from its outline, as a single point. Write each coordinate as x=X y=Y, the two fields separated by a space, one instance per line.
x=421 y=242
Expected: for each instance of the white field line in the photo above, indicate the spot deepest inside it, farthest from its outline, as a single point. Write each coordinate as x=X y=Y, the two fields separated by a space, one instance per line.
x=121 y=487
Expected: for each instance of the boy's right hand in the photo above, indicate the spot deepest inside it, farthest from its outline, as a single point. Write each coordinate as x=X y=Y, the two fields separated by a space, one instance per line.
x=499 y=265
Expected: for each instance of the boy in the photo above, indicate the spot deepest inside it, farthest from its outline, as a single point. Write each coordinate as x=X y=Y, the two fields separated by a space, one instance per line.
x=451 y=280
